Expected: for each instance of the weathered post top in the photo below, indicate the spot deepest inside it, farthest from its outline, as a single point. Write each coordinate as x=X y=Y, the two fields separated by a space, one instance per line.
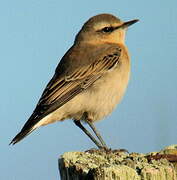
x=116 y=165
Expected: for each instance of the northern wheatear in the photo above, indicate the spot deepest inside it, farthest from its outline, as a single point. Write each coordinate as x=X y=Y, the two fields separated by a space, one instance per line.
x=90 y=79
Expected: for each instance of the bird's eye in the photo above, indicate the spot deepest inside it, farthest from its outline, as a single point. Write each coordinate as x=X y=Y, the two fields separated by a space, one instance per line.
x=107 y=29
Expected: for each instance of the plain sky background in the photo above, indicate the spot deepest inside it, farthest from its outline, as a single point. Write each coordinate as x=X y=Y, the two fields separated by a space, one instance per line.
x=35 y=34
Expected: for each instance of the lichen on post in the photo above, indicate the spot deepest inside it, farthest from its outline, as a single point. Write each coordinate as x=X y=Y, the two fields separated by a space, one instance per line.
x=119 y=165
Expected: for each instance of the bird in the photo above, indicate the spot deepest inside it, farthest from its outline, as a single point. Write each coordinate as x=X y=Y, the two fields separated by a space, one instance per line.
x=89 y=81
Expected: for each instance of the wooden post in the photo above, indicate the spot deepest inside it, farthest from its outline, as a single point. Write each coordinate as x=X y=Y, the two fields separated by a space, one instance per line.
x=116 y=165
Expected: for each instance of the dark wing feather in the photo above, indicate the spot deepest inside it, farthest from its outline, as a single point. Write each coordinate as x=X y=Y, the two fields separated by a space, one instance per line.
x=63 y=88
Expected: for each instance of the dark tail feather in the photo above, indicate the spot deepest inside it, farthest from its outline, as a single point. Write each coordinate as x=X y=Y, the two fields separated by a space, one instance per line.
x=22 y=134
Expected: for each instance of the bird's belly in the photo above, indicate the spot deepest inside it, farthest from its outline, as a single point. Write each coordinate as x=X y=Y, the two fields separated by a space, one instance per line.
x=107 y=92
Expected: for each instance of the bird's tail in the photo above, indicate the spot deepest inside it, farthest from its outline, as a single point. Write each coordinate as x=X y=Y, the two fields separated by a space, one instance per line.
x=22 y=134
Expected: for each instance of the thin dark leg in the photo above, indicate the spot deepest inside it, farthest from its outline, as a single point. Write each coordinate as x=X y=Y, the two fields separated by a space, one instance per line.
x=96 y=133
x=78 y=123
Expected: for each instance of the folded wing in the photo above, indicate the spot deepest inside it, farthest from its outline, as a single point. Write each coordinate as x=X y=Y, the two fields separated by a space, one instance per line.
x=67 y=84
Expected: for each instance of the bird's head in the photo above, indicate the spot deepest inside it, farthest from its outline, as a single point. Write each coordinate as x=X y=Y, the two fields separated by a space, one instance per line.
x=103 y=28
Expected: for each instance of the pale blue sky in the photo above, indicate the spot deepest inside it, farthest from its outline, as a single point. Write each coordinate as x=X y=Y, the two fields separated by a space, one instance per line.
x=34 y=35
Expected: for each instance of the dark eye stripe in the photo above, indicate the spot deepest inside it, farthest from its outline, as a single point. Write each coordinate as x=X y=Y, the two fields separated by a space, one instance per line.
x=107 y=29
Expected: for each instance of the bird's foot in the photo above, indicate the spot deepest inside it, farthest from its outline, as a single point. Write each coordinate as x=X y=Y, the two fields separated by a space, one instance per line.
x=101 y=149
x=120 y=151
x=106 y=150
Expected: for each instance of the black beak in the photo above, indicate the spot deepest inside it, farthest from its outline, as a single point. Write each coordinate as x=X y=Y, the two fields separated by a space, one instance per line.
x=127 y=24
